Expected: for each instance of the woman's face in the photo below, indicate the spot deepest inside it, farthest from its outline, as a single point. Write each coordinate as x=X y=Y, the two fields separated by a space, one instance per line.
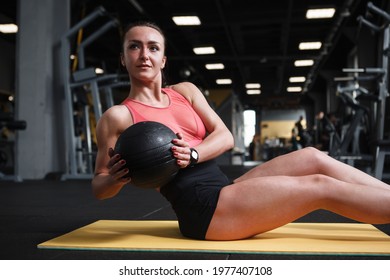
x=143 y=53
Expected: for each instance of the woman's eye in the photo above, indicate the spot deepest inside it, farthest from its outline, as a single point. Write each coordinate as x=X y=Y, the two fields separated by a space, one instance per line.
x=133 y=46
x=154 y=48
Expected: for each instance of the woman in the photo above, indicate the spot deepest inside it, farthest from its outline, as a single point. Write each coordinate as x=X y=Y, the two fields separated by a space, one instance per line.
x=208 y=206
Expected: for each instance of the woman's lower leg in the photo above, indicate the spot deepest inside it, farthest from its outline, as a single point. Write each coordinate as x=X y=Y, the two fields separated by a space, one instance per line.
x=310 y=161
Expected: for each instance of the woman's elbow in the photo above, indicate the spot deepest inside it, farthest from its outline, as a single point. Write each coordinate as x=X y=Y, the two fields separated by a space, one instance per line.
x=97 y=194
x=98 y=191
x=229 y=142
x=102 y=195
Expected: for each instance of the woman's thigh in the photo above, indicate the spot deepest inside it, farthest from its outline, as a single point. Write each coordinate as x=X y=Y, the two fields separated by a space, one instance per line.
x=260 y=204
x=257 y=205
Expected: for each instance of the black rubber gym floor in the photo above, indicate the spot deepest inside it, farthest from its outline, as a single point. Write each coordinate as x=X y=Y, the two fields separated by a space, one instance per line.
x=32 y=212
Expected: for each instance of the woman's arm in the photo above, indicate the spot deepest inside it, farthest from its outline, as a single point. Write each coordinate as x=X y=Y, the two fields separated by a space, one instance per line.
x=219 y=138
x=108 y=179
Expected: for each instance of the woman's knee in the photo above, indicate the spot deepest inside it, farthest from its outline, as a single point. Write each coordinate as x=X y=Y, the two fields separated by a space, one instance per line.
x=314 y=157
x=312 y=151
x=321 y=180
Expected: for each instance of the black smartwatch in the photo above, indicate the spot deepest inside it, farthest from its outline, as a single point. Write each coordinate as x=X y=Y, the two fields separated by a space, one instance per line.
x=194 y=157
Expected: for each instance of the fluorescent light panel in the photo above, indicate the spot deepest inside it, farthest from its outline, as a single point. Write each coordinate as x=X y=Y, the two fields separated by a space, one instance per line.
x=320 y=13
x=252 y=85
x=310 y=45
x=186 y=20
x=253 y=91
x=204 y=50
x=215 y=66
x=223 y=81
x=301 y=63
x=294 y=89
x=297 y=79
x=8 y=28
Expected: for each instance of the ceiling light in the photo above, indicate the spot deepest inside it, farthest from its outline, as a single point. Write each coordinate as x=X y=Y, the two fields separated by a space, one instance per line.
x=215 y=66
x=294 y=89
x=8 y=28
x=301 y=63
x=297 y=79
x=320 y=13
x=253 y=85
x=223 y=81
x=204 y=50
x=253 y=91
x=310 y=45
x=186 y=20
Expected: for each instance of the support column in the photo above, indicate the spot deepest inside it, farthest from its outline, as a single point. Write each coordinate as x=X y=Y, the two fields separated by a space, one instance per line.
x=39 y=96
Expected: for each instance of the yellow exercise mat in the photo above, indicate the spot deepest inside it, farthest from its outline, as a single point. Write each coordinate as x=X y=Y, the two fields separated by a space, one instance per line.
x=164 y=236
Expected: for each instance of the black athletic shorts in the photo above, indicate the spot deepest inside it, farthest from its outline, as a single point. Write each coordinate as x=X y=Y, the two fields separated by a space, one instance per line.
x=194 y=194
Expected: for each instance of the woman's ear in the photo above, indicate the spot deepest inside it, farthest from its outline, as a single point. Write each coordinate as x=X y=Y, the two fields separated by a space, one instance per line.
x=163 y=62
x=122 y=60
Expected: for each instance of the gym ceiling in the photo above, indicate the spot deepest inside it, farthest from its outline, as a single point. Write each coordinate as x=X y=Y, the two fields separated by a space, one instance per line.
x=256 y=41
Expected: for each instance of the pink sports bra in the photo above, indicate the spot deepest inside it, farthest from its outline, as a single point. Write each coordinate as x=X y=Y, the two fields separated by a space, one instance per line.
x=178 y=116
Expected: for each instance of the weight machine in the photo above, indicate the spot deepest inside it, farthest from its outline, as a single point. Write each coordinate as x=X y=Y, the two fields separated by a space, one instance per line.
x=380 y=74
x=345 y=144
x=79 y=145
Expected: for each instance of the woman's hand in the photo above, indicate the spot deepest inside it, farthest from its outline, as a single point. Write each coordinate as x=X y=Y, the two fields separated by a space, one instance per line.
x=115 y=166
x=181 y=151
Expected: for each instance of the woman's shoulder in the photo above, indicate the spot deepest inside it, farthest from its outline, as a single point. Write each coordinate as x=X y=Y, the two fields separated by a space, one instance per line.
x=117 y=115
x=183 y=87
x=186 y=89
x=115 y=111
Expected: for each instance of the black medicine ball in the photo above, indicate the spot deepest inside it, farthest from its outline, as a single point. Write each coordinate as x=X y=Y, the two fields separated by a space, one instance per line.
x=146 y=147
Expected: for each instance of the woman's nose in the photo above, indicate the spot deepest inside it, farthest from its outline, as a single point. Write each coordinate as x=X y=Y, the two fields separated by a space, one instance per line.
x=144 y=54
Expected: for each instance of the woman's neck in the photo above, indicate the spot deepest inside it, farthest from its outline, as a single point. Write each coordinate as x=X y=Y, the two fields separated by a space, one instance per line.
x=153 y=96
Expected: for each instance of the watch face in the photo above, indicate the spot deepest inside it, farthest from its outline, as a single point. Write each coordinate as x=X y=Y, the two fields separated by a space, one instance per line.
x=194 y=154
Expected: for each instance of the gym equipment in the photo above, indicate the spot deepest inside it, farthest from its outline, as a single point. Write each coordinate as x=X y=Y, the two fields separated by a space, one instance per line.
x=81 y=110
x=381 y=142
x=350 y=239
x=12 y=124
x=345 y=143
x=146 y=147
x=7 y=121
x=382 y=150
